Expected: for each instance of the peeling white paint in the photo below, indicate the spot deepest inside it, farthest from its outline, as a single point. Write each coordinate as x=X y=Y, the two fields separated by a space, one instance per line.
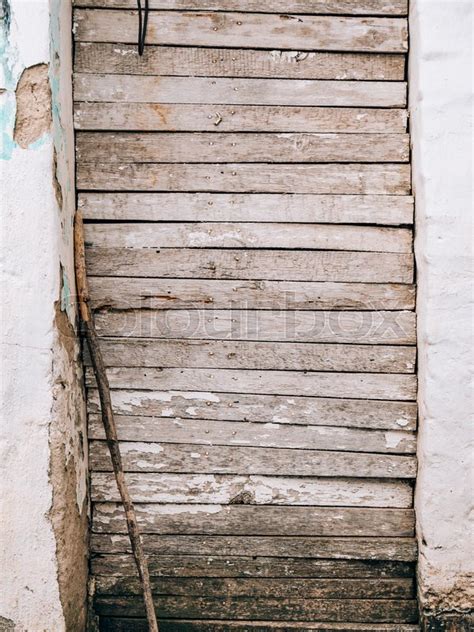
x=36 y=257
x=393 y=439
x=127 y=401
x=402 y=422
x=137 y=446
x=171 y=510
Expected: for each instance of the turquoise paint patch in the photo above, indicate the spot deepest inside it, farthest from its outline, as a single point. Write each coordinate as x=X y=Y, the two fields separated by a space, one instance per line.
x=40 y=142
x=66 y=296
x=7 y=125
x=8 y=54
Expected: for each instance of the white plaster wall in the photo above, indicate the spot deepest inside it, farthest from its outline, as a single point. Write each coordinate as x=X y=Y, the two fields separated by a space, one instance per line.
x=441 y=82
x=36 y=268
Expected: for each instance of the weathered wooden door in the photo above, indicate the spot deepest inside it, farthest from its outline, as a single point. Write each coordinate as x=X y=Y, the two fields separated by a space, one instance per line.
x=246 y=189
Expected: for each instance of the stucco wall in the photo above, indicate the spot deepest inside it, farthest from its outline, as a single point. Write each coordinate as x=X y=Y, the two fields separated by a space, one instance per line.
x=441 y=75
x=43 y=462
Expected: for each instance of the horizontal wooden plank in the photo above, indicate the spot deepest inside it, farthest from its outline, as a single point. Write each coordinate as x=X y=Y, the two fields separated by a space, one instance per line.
x=182 y=458
x=282 y=356
x=335 y=327
x=184 y=117
x=357 y=610
x=233 y=207
x=305 y=548
x=241 y=30
x=249 y=235
x=253 y=490
x=261 y=265
x=252 y=520
x=123 y=59
x=401 y=588
x=338 y=385
x=390 y=179
x=236 y=91
x=120 y=624
x=187 y=294
x=326 y=561
x=307 y=411
x=205 y=147
x=275 y=435
x=361 y=7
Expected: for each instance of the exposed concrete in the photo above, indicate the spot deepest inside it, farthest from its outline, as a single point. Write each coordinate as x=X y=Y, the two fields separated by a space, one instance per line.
x=33 y=105
x=43 y=462
x=441 y=68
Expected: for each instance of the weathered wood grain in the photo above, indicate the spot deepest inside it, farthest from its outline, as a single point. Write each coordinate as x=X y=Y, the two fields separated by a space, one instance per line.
x=345 y=7
x=304 y=548
x=186 y=294
x=253 y=490
x=120 y=624
x=306 y=411
x=182 y=458
x=333 y=327
x=235 y=433
x=242 y=30
x=261 y=265
x=236 y=91
x=357 y=610
x=249 y=235
x=233 y=207
x=324 y=562
x=237 y=62
x=251 y=520
x=279 y=493
x=338 y=385
x=179 y=117
x=224 y=354
x=402 y=588
x=387 y=179
x=198 y=147
x=189 y=353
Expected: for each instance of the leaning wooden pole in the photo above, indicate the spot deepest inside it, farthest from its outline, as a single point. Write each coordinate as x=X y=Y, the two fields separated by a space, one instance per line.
x=109 y=421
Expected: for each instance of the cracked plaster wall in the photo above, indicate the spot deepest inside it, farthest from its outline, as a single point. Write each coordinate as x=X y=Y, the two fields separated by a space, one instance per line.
x=43 y=490
x=441 y=100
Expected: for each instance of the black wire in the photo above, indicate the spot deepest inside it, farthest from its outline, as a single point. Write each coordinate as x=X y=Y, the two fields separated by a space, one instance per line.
x=142 y=25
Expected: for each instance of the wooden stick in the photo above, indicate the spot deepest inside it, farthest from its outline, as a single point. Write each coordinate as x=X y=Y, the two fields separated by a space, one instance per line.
x=109 y=421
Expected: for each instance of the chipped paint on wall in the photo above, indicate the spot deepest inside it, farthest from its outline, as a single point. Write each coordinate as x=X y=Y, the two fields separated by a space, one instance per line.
x=43 y=464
